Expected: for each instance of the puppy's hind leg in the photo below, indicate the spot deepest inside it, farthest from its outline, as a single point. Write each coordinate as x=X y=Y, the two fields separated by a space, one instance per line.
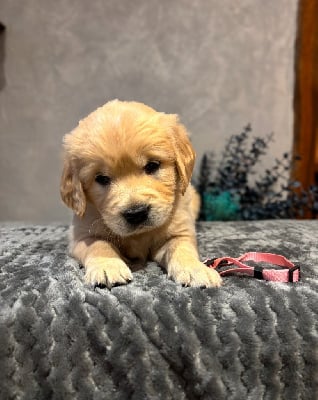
x=195 y=203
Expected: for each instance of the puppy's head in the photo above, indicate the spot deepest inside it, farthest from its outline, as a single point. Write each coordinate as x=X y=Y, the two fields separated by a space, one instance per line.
x=130 y=162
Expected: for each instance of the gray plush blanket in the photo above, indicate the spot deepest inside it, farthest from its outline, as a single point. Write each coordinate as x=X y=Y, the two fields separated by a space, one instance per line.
x=153 y=339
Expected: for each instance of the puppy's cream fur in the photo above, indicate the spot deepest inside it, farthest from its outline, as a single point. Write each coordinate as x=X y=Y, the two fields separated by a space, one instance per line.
x=118 y=141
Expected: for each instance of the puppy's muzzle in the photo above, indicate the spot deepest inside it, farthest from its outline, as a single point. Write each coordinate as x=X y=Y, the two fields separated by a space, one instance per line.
x=136 y=214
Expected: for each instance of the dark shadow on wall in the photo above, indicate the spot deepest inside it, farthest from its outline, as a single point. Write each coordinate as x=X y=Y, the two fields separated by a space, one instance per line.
x=2 y=55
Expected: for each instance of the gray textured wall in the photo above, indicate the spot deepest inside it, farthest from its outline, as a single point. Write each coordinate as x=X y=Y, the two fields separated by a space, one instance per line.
x=219 y=64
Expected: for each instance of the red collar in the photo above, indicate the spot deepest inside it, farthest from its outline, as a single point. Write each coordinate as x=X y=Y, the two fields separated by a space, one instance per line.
x=289 y=273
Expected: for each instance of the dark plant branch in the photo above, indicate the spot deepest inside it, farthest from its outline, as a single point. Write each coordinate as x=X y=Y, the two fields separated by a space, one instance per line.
x=230 y=195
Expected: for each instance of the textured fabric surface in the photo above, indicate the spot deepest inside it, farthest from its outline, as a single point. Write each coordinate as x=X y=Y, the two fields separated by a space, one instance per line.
x=153 y=339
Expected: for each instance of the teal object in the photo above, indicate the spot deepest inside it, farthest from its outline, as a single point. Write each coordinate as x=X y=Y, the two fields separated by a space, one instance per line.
x=224 y=206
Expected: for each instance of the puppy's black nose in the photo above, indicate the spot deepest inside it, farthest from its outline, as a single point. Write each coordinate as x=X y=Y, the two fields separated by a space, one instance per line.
x=137 y=214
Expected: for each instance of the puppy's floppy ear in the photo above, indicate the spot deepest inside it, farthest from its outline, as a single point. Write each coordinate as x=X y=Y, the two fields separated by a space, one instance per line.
x=185 y=154
x=71 y=189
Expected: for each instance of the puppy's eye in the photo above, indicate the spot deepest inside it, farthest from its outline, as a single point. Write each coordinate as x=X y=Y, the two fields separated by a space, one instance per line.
x=102 y=180
x=152 y=167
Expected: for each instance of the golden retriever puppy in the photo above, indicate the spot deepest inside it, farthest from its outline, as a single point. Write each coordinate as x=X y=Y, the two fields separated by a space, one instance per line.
x=126 y=176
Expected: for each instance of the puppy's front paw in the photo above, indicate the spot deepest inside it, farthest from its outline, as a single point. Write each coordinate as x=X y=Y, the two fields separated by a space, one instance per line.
x=107 y=271
x=194 y=274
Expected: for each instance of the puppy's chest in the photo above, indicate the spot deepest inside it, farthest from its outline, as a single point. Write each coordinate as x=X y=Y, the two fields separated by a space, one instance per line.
x=137 y=248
